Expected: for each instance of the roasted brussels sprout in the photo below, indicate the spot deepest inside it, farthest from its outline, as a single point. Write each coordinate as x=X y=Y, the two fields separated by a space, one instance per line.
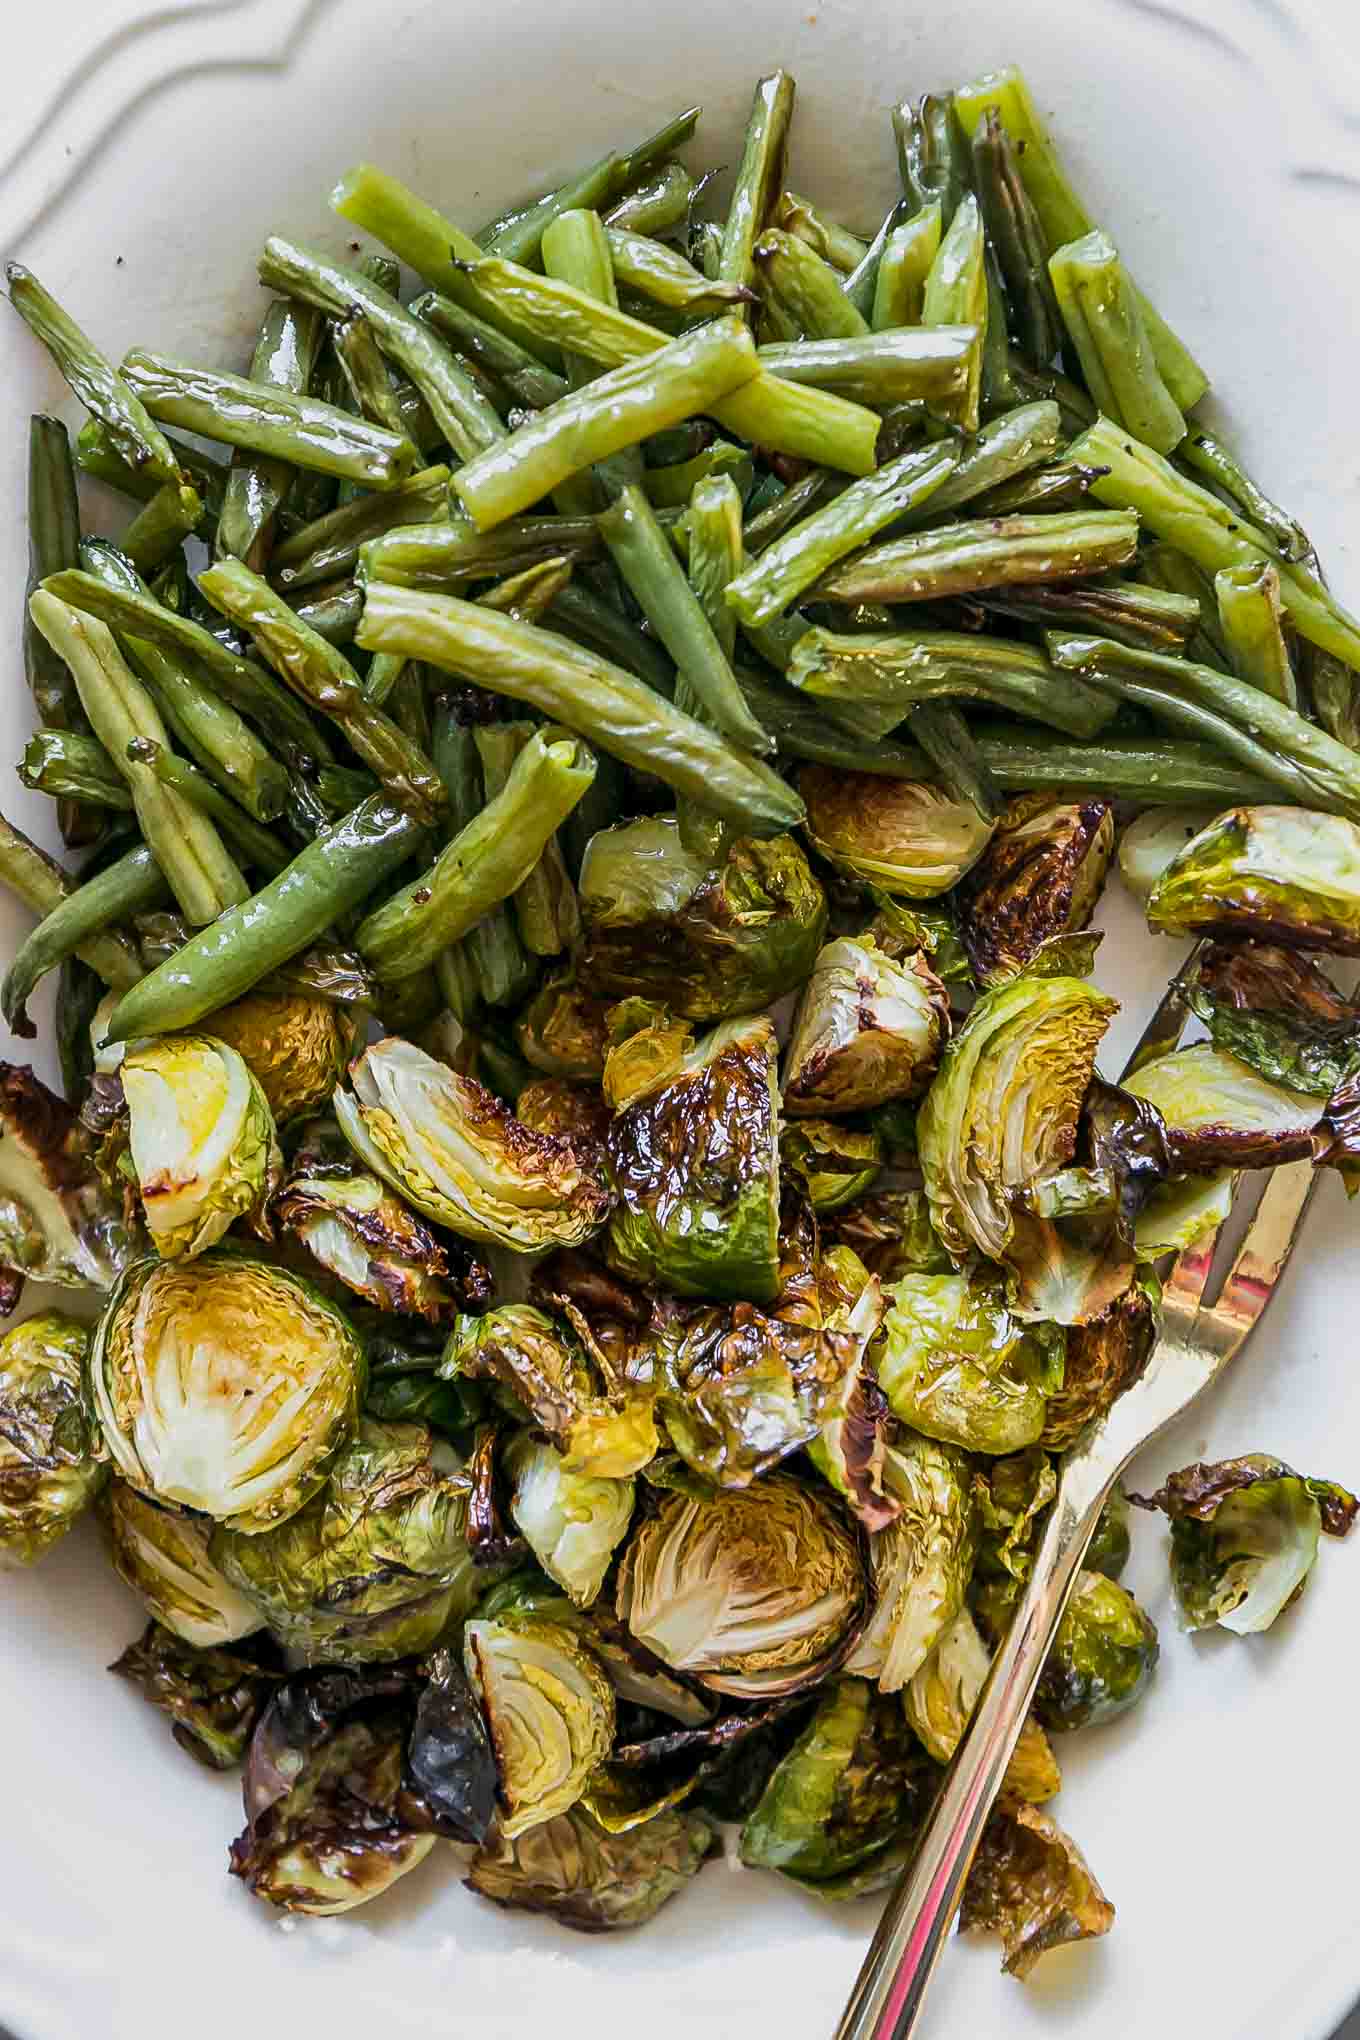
x=939 y=1704
x=1281 y=874
x=1109 y=1549
x=449 y=1762
x=59 y=1222
x=1031 y=1885
x=1153 y=840
x=545 y=1373
x=163 y=1556
x=563 y=1030
x=891 y=1233
x=48 y=1469
x=1102 y=1658
x=867 y=1030
x=458 y=1155
x=833 y=1162
x=225 y=1385
x=549 y=1708
x=1218 y=1113
x=695 y=1165
x=296 y=1046
x=1182 y=1211
x=376 y=1565
x=584 y=1877
x=213 y=1696
x=756 y=1592
x=903 y=931
x=1012 y=1499
x=1276 y=1011
x=646 y=1047
x=565 y=1111
x=712 y=942
x=202 y=1140
x=1103 y=1359
x=902 y=835
x=956 y=1364
x=1244 y=1537
x=1041 y=875
x=570 y=1521
x=920 y=1562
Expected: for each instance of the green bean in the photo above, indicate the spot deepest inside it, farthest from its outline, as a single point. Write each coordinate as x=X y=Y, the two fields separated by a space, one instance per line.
x=605 y=705
x=807 y=290
x=806 y=423
x=575 y=252
x=331 y=611
x=1164 y=568
x=40 y=882
x=499 y=962
x=1208 y=532
x=366 y=373
x=519 y=236
x=521 y=372
x=799 y=559
x=986 y=552
x=958 y=765
x=619 y=409
x=1334 y=690
x=670 y=488
x=802 y=731
x=835 y=244
x=285 y=358
x=221 y=963
x=530 y=595
x=79 y=992
x=462 y=414
x=999 y=390
x=956 y=291
x=1034 y=386
x=159 y=529
x=105 y=393
x=450 y=556
x=1163 y=773
x=862 y=282
x=342 y=787
x=760 y=177
x=931 y=153
x=408 y=708
x=1099 y=307
x=323 y=678
x=131 y=885
x=655 y=271
x=72 y=765
x=884 y=678
x=1056 y=485
x=910 y=364
x=715 y=559
x=259 y=846
x=1249 y=612
x=1209 y=457
x=196 y=863
x=661 y=201
x=331 y=545
x=1016 y=233
x=53 y=544
x=648 y=564
x=908 y=255
x=1151 y=617
x=97 y=455
x=1006 y=447
x=456 y=976
x=789 y=507
x=588 y=620
x=546 y=910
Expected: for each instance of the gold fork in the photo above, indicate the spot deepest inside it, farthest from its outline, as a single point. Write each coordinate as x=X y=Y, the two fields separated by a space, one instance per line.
x=1198 y=1339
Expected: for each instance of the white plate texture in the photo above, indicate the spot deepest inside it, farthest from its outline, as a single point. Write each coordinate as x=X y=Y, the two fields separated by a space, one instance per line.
x=146 y=148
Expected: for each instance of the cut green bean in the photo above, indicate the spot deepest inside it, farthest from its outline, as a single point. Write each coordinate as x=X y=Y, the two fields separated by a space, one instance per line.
x=259 y=846
x=97 y=455
x=1005 y=448
x=806 y=290
x=105 y=393
x=73 y=765
x=715 y=559
x=909 y=364
x=366 y=373
x=908 y=256
x=285 y=358
x=159 y=529
x=40 y=882
x=330 y=611
x=663 y=274
x=1250 y=615
x=986 y=552
x=884 y=678
x=1035 y=386
x=862 y=281
x=959 y=766
x=576 y=252
x=1164 y=567
x=130 y=886
x=760 y=177
x=1100 y=311
x=1210 y=458
x=586 y=618
x=456 y=976
x=342 y=787
x=451 y=556
x=956 y=292
x=1154 y=618
x=519 y=236
x=53 y=544
x=530 y=595
x=522 y=373
x=1017 y=234
x=835 y=244
x=331 y=545
x=546 y=910
x=802 y=731
x=670 y=488
x=789 y=507
x=998 y=386
x=503 y=970
x=1164 y=773
x=932 y=153
x=1055 y=485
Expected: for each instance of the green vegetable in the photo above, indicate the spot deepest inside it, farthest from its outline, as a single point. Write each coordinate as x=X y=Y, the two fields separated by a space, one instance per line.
x=127 y=887
x=549 y=1708
x=213 y=1695
x=1031 y=1885
x=49 y=1468
x=940 y=1701
x=875 y=681
x=106 y=394
x=354 y=1227
x=1100 y=310
x=834 y=1163
x=202 y=1141
x=760 y=176
x=906 y=837
x=163 y=1556
x=1218 y=1113
x=1102 y=1657
x=908 y=257
x=1275 y=1010
x=867 y=1030
x=918 y=365
x=579 y=1874
x=571 y=1521
x=1282 y=874
x=957 y=1366
x=285 y=358
x=1040 y=876
x=920 y=1562
x=956 y=291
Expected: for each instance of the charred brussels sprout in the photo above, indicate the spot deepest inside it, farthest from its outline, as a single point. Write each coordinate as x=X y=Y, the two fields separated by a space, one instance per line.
x=296 y=1047
x=711 y=941
x=646 y=1046
x=957 y=1366
x=940 y=1702
x=549 y=1708
x=563 y=1030
x=373 y=1567
x=570 y=1521
x=891 y=1233
x=1103 y=1359
x=695 y=1164
x=163 y=1556
x=920 y=1562
x=449 y=1763
x=59 y=1222
x=1040 y=876
x=225 y=1385
x=1244 y=1537
x=755 y=1592
x=578 y=1874
x=1031 y=1885
x=545 y=1373
x=1218 y=1113
x=1102 y=1658
x=48 y=1471
x=1276 y=1011
x=902 y=835
x=460 y=1156
x=867 y=1030
x=202 y=1140
x=1281 y=874
x=834 y=1163
x=213 y=1696
x=566 y=1111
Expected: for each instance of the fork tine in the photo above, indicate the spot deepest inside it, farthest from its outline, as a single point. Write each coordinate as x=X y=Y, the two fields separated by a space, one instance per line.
x=1164 y=1029
x=1263 y=1255
x=1184 y=1286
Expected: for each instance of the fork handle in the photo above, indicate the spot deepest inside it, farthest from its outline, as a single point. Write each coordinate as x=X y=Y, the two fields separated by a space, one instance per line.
x=892 y=1984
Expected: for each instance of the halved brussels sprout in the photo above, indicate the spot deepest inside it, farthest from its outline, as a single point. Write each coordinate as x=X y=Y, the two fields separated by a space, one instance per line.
x=570 y=1521
x=225 y=1385
x=902 y=931
x=213 y=1696
x=584 y=1877
x=1219 y=1114
x=901 y=835
x=1275 y=1010
x=565 y=1111
x=1012 y=1499
x=940 y=1700
x=1182 y=1211
x=1153 y=840
x=755 y=1592
x=59 y=1221
x=1031 y=1885
x=646 y=1047
x=711 y=941
x=1040 y=876
x=695 y=1165
x=545 y=1373
x=834 y=1163
x=1244 y=1537
x=460 y=1156
x=920 y=1562
x=957 y=1365
x=163 y=1557
x=449 y=1763
x=48 y=1469
x=360 y=1231
x=550 y=1710
x=563 y=1030
x=1102 y=1658
x=202 y=1140
x=1111 y=1546
x=867 y=1030
x=296 y=1046
x=891 y=1233
x=1103 y=1359
x=376 y=1565
x=851 y=1449
x=1280 y=874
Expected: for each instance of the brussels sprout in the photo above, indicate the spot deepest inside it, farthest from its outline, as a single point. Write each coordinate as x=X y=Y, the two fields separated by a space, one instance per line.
x=571 y=1521
x=59 y=1222
x=855 y=1781
x=1155 y=839
x=225 y=1385
x=1031 y=1885
x=295 y=1046
x=1244 y=1537
x=902 y=931
x=1219 y=1114
x=1012 y=1500
x=576 y=1112
x=549 y=1708
x=461 y=1157
x=48 y=1471
x=956 y=1365
x=1336 y=1137
x=901 y=835
x=834 y=1163
x=564 y=1031
x=695 y=1165
x=851 y=1449
x=357 y=1229
x=574 y=1871
x=711 y=941
x=1182 y=1211
x=163 y=1557
x=892 y=1234
x=449 y=1762
x=920 y=1563
x=1103 y=1359
x=756 y=1592
x=1041 y=875
x=1281 y=874
x=214 y=1697
x=1102 y=1658
x=376 y=1565
x=1111 y=1546
x=1276 y=1011
x=646 y=1048
x=545 y=1373
x=202 y=1140
x=866 y=1030
x=940 y=1700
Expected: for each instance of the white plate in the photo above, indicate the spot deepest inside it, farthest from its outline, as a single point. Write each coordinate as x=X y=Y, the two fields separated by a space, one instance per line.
x=146 y=152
